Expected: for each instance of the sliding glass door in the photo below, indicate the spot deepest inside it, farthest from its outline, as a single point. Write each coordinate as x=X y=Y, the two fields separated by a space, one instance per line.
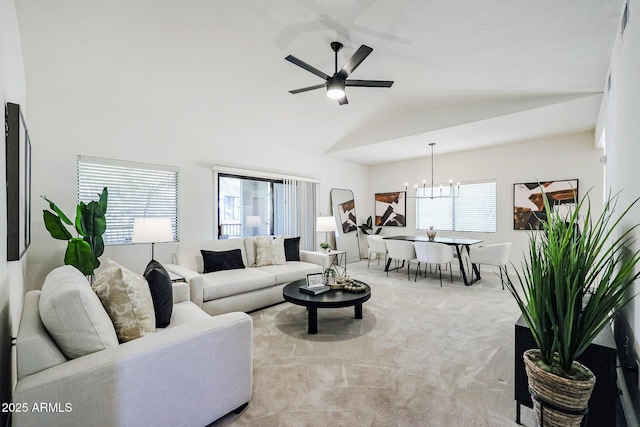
x=249 y=206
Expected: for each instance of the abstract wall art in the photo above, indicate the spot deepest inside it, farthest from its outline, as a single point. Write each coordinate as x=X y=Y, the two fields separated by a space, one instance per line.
x=347 y=215
x=391 y=209
x=528 y=201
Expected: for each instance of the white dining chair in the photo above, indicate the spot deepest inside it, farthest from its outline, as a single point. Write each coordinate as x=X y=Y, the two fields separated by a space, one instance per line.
x=400 y=250
x=433 y=253
x=376 y=246
x=496 y=254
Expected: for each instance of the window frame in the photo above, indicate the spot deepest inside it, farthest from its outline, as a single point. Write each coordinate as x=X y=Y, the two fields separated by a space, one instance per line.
x=145 y=173
x=272 y=182
x=452 y=224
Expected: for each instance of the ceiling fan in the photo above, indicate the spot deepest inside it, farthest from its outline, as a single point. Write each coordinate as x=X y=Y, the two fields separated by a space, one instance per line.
x=336 y=84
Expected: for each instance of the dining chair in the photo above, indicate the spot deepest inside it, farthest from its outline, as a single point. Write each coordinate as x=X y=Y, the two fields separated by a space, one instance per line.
x=401 y=251
x=496 y=254
x=376 y=246
x=433 y=253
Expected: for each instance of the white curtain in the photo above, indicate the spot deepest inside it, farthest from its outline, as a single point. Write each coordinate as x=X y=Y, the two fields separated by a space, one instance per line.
x=301 y=210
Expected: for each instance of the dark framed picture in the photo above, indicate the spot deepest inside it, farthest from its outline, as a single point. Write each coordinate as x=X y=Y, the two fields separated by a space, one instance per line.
x=528 y=201
x=18 y=157
x=391 y=209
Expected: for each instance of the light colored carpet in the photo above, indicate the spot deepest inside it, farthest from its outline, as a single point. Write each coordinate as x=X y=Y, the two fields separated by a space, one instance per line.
x=421 y=356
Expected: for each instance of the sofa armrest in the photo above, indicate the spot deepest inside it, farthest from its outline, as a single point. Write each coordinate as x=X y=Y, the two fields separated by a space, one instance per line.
x=189 y=375
x=194 y=280
x=321 y=259
x=180 y=292
x=188 y=274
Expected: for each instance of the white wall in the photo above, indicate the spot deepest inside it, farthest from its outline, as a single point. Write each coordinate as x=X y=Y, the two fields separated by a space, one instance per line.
x=12 y=89
x=59 y=132
x=622 y=129
x=554 y=158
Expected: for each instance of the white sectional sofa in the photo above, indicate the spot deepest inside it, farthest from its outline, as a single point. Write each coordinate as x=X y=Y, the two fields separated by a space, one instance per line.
x=194 y=371
x=245 y=289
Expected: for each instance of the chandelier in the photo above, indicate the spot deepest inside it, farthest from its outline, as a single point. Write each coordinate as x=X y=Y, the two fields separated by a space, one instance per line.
x=445 y=191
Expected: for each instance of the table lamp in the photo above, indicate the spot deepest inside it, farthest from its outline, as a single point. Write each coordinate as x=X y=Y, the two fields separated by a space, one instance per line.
x=254 y=221
x=326 y=224
x=152 y=230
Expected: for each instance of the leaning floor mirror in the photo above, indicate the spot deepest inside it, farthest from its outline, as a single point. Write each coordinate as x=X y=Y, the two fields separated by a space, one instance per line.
x=344 y=212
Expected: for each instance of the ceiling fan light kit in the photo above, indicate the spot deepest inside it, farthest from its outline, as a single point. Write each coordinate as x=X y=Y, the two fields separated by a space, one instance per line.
x=336 y=83
x=335 y=88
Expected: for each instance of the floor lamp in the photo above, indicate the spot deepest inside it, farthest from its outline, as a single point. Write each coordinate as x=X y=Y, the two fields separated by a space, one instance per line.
x=152 y=230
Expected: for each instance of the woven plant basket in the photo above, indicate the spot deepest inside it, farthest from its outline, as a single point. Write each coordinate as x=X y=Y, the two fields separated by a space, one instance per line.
x=570 y=397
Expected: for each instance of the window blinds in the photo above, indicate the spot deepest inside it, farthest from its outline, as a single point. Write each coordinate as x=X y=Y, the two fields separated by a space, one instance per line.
x=135 y=190
x=474 y=209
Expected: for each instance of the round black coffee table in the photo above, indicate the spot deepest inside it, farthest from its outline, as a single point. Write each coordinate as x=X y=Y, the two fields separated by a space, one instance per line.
x=335 y=298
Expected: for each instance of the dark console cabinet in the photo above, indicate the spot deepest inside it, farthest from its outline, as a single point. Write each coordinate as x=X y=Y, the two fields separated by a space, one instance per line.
x=600 y=357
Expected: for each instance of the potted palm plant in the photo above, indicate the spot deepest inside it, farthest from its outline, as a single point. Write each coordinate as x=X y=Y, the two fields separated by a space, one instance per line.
x=578 y=274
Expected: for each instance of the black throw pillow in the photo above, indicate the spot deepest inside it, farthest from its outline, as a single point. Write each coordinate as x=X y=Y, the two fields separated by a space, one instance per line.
x=222 y=260
x=161 y=289
x=292 y=248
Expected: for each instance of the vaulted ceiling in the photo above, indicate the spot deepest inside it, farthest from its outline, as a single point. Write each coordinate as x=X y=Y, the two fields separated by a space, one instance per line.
x=467 y=73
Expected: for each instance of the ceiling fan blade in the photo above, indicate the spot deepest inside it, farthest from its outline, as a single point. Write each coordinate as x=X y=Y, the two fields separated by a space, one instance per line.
x=305 y=89
x=355 y=60
x=369 y=83
x=302 y=64
x=343 y=100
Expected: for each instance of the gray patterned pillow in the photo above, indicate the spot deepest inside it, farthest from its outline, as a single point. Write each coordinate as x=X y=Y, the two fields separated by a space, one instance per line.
x=270 y=251
x=127 y=299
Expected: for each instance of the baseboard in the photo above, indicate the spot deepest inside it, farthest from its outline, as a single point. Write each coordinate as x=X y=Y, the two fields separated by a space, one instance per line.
x=628 y=374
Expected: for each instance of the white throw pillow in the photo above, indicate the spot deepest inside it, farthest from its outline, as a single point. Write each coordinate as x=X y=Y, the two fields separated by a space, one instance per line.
x=270 y=251
x=73 y=314
x=127 y=299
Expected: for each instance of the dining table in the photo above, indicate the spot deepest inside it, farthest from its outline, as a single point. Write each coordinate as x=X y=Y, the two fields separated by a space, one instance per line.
x=459 y=243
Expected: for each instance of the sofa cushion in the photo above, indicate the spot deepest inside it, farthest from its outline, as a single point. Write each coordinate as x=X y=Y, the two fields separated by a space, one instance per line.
x=292 y=248
x=127 y=299
x=250 y=250
x=270 y=250
x=222 y=260
x=294 y=270
x=35 y=350
x=73 y=314
x=161 y=289
x=188 y=253
x=232 y=282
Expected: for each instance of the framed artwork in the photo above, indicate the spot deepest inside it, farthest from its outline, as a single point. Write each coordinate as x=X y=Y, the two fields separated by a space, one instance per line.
x=528 y=201
x=347 y=216
x=315 y=280
x=18 y=157
x=391 y=209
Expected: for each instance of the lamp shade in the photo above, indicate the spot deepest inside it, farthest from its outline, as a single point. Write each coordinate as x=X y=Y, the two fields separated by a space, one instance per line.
x=325 y=223
x=253 y=221
x=152 y=230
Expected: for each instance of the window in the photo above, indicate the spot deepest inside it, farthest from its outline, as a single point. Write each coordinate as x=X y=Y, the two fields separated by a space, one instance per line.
x=251 y=203
x=473 y=210
x=135 y=190
x=248 y=206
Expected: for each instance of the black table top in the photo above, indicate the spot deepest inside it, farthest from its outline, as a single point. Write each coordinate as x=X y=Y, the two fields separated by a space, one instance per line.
x=333 y=298
x=445 y=240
